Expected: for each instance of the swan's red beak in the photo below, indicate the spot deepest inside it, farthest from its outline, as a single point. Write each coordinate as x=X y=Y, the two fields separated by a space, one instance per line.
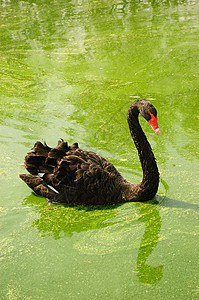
x=154 y=123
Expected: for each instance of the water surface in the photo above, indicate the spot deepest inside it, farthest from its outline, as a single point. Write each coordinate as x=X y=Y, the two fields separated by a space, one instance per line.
x=71 y=69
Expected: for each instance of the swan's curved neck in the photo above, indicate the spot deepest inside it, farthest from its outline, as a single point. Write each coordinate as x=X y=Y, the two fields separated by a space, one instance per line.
x=148 y=187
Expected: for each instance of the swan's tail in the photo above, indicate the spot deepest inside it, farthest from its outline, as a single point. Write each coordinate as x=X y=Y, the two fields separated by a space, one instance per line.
x=42 y=163
x=38 y=185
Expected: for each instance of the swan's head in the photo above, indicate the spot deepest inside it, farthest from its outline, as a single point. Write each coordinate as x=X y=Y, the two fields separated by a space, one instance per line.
x=148 y=111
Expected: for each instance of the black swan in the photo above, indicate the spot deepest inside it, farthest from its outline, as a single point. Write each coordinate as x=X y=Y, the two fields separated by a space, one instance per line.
x=68 y=174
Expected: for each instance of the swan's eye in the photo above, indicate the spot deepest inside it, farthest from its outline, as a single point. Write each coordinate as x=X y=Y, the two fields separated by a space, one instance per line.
x=154 y=123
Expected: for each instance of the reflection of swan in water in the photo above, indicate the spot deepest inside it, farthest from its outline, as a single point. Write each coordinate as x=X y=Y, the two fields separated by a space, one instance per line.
x=59 y=221
x=149 y=215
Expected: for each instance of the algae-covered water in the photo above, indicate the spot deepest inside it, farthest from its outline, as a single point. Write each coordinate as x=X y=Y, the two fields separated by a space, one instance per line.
x=70 y=69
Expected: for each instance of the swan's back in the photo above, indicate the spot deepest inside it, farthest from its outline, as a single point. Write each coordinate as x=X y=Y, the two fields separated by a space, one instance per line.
x=71 y=175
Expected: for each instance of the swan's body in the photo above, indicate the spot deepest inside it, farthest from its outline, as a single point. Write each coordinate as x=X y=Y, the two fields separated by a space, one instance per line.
x=68 y=174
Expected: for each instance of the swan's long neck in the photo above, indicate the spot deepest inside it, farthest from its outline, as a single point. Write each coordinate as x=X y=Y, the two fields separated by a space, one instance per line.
x=147 y=189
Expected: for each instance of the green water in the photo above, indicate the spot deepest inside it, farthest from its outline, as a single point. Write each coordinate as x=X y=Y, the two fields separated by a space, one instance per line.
x=71 y=69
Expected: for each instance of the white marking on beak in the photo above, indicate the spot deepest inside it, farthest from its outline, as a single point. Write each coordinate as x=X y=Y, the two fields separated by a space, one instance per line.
x=157 y=130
